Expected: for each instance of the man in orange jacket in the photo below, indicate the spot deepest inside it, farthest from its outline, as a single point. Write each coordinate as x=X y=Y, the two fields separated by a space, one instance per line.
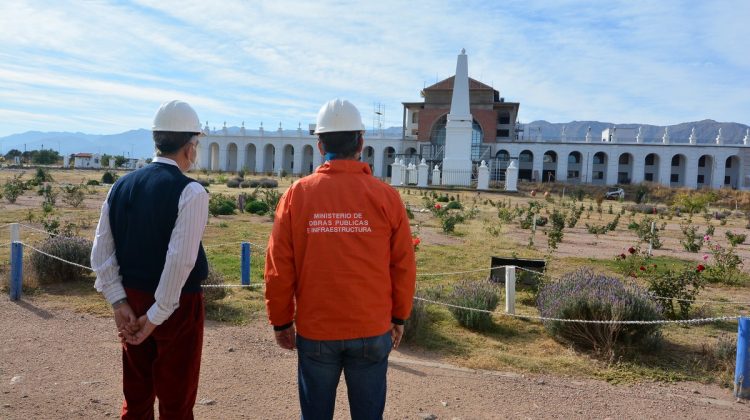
x=340 y=268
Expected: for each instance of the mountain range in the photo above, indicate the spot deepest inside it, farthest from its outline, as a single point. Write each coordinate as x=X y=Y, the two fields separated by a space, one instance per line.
x=138 y=143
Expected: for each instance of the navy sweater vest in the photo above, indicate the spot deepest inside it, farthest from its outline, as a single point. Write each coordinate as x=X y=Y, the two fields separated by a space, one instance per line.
x=143 y=208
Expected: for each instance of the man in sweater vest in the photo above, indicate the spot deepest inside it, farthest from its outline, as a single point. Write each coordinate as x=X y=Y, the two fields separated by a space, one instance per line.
x=149 y=264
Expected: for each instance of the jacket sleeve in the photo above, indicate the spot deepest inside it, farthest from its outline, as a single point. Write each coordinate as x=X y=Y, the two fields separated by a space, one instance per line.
x=280 y=274
x=403 y=266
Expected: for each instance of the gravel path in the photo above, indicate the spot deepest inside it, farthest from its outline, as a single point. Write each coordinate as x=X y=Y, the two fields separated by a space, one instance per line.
x=55 y=363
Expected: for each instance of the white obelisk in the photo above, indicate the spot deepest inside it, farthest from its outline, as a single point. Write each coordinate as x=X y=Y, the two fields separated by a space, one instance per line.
x=457 y=161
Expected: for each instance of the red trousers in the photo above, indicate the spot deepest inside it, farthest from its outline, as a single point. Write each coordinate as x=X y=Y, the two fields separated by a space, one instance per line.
x=167 y=364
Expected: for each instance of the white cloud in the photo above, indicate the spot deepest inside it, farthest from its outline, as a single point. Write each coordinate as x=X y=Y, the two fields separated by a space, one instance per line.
x=98 y=66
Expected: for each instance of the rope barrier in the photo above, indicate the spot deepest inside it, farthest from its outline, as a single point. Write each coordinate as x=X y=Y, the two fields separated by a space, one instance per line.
x=233 y=243
x=461 y=272
x=38 y=230
x=716 y=302
x=587 y=321
x=234 y=285
x=55 y=257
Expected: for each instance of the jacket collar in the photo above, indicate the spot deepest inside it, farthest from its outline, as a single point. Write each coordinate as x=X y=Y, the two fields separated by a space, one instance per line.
x=344 y=166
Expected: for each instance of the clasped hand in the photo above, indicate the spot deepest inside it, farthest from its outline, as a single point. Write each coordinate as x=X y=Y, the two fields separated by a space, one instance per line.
x=130 y=329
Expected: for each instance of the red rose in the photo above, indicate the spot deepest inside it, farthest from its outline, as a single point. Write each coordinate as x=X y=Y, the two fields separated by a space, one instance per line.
x=437 y=206
x=631 y=250
x=700 y=268
x=623 y=256
x=643 y=268
x=416 y=241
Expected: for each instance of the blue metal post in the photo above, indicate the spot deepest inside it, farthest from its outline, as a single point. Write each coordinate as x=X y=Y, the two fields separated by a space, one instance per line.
x=245 y=263
x=742 y=369
x=16 y=270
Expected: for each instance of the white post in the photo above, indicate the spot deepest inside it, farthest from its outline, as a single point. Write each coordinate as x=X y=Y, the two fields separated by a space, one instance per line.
x=651 y=239
x=436 y=176
x=396 y=173
x=422 y=174
x=483 y=177
x=510 y=289
x=15 y=232
x=15 y=236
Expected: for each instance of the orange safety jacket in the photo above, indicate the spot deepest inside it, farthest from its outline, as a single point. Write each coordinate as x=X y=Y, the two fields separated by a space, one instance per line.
x=341 y=255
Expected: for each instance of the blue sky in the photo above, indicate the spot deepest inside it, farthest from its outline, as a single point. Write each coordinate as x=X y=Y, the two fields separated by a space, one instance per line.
x=105 y=66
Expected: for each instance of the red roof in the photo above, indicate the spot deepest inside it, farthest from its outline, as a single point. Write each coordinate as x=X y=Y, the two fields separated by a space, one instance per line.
x=83 y=155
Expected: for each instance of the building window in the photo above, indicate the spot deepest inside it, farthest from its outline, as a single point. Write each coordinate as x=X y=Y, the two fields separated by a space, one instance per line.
x=650 y=159
x=623 y=178
x=572 y=174
x=624 y=159
x=599 y=158
x=727 y=180
x=525 y=157
x=549 y=158
x=676 y=160
x=649 y=177
x=675 y=178
x=701 y=179
x=598 y=175
x=503 y=133
x=503 y=156
x=503 y=118
x=729 y=163
x=415 y=117
x=702 y=163
x=574 y=158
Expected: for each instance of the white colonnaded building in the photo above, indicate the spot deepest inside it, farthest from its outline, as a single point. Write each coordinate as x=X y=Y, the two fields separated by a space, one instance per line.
x=464 y=126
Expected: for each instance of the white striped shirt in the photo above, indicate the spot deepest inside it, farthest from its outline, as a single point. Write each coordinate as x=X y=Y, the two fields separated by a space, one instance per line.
x=192 y=215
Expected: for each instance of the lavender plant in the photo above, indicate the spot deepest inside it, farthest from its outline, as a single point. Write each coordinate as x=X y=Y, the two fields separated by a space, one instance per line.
x=586 y=295
x=474 y=294
x=73 y=249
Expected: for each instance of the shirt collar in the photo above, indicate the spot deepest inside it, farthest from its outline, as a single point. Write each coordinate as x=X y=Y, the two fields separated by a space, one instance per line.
x=344 y=166
x=168 y=161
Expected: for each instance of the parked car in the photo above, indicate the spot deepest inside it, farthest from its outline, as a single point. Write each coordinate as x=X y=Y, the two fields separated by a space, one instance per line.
x=615 y=193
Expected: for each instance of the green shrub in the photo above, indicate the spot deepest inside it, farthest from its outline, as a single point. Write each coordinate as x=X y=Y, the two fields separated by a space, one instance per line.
x=73 y=249
x=442 y=199
x=692 y=241
x=246 y=184
x=449 y=221
x=726 y=266
x=256 y=207
x=73 y=195
x=49 y=194
x=204 y=182
x=109 y=177
x=586 y=295
x=220 y=204
x=233 y=183
x=735 y=238
x=268 y=183
x=14 y=188
x=92 y=182
x=679 y=287
x=454 y=205
x=474 y=294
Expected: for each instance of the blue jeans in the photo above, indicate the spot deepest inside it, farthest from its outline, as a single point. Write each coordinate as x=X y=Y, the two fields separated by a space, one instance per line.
x=364 y=362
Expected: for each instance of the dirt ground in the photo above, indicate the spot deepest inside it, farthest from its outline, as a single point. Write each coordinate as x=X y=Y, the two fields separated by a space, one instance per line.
x=55 y=363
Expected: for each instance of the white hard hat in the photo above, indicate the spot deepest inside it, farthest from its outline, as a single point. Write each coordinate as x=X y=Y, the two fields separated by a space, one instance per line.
x=338 y=115
x=176 y=116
